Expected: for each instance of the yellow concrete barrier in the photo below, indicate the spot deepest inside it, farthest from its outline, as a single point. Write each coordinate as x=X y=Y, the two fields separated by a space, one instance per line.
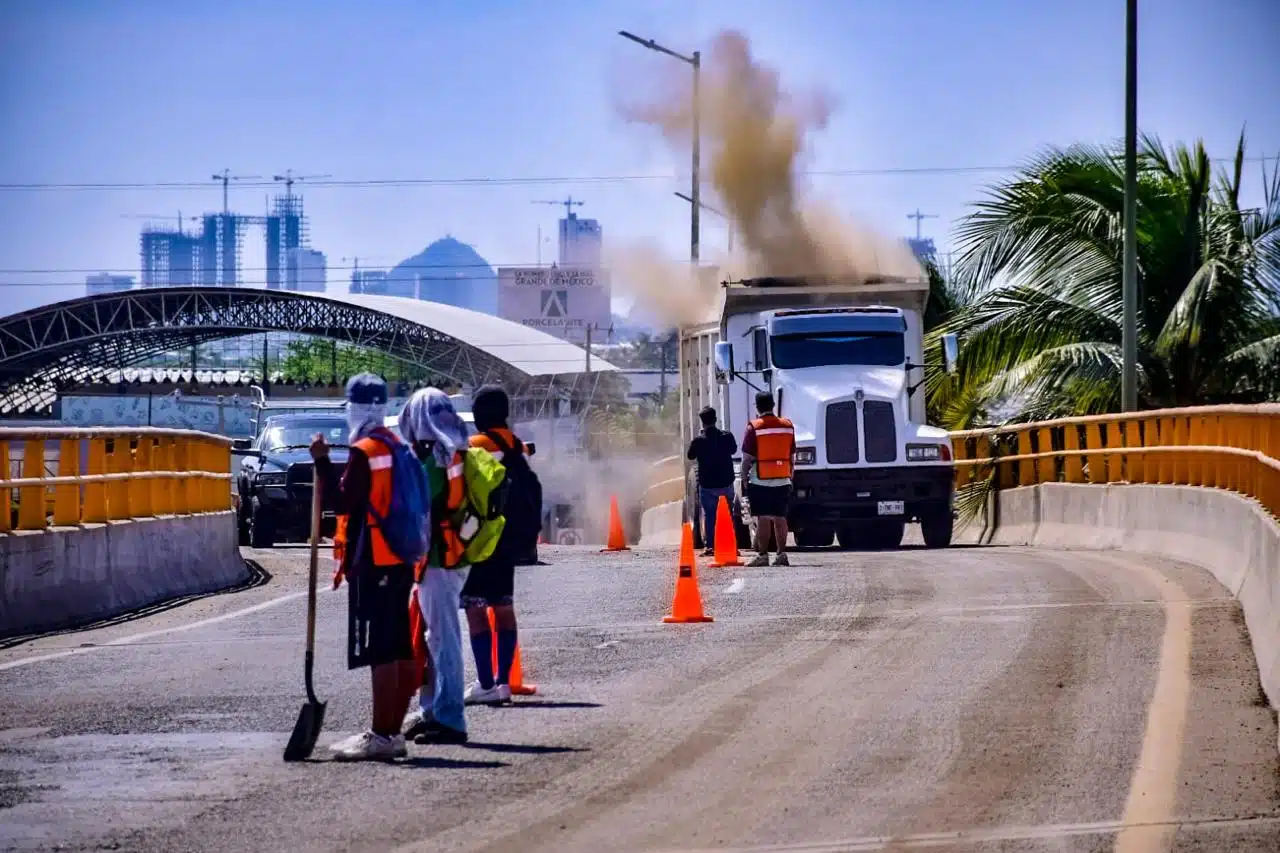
x=128 y=473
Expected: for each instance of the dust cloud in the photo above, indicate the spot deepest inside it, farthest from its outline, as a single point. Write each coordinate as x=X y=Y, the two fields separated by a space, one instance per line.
x=754 y=137
x=587 y=485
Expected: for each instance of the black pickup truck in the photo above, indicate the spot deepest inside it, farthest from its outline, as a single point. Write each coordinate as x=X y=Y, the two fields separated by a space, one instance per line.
x=274 y=482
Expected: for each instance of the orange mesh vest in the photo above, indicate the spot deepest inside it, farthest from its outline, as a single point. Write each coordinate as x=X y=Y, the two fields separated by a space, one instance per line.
x=379 y=501
x=775 y=443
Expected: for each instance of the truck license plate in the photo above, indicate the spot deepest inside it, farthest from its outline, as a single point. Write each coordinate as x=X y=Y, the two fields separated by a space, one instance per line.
x=890 y=507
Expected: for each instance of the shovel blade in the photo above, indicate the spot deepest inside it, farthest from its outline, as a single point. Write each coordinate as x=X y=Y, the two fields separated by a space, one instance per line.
x=305 y=732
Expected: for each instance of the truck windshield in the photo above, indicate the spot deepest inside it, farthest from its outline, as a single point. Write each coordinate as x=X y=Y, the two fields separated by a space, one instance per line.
x=883 y=349
x=300 y=433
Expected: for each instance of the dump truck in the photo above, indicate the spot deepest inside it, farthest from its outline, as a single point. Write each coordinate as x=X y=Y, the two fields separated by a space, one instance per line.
x=845 y=363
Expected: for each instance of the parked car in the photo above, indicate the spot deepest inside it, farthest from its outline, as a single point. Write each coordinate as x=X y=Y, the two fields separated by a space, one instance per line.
x=275 y=477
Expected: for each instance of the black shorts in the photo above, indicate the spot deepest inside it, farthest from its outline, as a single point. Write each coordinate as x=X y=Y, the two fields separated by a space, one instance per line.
x=378 y=616
x=490 y=584
x=769 y=500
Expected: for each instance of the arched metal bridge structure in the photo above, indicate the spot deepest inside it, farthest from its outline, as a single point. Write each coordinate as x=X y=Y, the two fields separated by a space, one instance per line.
x=80 y=339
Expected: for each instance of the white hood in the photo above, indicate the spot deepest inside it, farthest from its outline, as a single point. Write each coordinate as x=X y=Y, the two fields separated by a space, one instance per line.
x=805 y=392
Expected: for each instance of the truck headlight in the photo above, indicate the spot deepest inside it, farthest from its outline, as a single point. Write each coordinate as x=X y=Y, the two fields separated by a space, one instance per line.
x=928 y=453
x=272 y=478
x=806 y=456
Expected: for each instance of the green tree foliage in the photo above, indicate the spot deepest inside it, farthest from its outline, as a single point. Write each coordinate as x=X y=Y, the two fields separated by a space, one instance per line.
x=1038 y=288
x=316 y=360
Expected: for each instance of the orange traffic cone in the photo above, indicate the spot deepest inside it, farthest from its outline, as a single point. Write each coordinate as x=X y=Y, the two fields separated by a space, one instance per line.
x=617 y=538
x=515 y=680
x=726 y=538
x=687 y=604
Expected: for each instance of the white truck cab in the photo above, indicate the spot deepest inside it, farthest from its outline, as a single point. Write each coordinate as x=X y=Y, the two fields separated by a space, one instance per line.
x=845 y=365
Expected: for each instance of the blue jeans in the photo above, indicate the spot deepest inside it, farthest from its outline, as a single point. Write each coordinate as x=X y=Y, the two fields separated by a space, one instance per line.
x=440 y=598
x=710 y=500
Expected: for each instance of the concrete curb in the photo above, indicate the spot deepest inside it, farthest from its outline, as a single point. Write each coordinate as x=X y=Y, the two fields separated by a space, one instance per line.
x=1227 y=534
x=68 y=576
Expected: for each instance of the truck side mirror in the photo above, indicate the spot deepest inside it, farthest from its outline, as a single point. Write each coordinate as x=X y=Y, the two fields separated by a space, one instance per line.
x=723 y=358
x=950 y=351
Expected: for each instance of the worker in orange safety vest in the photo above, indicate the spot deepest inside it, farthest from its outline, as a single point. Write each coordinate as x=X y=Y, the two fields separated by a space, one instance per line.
x=768 y=459
x=378 y=580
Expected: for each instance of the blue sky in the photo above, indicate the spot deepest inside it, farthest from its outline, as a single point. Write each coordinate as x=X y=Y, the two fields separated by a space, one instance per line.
x=141 y=91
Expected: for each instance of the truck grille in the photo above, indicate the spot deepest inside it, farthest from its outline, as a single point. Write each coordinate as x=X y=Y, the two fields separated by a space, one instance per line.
x=842 y=433
x=880 y=430
x=300 y=472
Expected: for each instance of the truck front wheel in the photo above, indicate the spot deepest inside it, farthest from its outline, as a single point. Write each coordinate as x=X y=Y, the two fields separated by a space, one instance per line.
x=936 y=527
x=815 y=537
x=874 y=535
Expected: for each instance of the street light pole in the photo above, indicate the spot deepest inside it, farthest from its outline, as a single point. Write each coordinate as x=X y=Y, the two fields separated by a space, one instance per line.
x=1129 y=330
x=696 y=62
x=695 y=236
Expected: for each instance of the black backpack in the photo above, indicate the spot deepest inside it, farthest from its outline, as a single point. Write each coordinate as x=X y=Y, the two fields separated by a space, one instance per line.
x=522 y=504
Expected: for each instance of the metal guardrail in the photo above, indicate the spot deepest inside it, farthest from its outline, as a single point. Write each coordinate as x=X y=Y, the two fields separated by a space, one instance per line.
x=127 y=473
x=1228 y=447
x=1225 y=447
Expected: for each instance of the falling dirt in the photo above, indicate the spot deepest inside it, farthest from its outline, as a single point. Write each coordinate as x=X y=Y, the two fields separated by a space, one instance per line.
x=755 y=136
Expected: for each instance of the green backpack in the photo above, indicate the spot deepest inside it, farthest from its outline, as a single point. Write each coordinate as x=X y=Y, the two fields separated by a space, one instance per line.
x=481 y=521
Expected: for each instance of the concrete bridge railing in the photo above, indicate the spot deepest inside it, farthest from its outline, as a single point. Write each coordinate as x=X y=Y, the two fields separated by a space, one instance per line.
x=96 y=522
x=1196 y=484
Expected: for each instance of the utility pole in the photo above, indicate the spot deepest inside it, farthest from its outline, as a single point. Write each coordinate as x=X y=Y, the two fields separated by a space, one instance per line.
x=695 y=175
x=265 y=379
x=226 y=178
x=918 y=216
x=588 y=371
x=1129 y=330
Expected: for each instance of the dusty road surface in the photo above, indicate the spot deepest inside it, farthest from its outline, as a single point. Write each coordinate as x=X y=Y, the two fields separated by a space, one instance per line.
x=976 y=699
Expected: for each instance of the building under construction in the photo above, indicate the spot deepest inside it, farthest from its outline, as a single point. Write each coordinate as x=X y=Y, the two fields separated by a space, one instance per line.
x=173 y=257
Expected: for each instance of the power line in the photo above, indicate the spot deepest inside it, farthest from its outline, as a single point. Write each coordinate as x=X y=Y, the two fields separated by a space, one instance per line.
x=340 y=268
x=518 y=181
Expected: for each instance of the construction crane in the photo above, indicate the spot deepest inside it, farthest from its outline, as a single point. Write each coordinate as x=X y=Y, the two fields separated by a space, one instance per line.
x=289 y=179
x=918 y=217
x=226 y=178
x=568 y=203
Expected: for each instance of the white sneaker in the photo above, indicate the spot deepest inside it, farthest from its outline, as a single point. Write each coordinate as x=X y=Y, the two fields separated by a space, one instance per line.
x=477 y=695
x=368 y=746
x=346 y=743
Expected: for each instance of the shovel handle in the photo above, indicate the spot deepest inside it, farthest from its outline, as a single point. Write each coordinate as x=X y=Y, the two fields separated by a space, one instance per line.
x=314 y=569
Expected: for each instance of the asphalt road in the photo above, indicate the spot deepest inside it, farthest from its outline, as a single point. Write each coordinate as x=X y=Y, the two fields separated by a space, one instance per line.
x=975 y=699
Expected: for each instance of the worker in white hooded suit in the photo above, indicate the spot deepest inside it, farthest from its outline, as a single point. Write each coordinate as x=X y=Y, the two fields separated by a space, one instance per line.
x=438 y=436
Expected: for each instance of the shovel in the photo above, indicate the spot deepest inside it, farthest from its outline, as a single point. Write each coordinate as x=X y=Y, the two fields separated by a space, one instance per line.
x=311 y=718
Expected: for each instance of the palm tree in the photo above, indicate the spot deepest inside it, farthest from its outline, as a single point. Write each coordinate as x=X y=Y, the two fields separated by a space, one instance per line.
x=1040 y=265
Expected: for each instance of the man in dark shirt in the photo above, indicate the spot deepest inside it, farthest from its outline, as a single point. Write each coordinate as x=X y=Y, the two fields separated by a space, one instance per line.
x=713 y=450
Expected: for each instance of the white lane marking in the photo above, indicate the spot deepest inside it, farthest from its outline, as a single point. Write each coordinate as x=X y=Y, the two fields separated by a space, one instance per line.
x=146 y=635
x=735 y=587
x=948 y=840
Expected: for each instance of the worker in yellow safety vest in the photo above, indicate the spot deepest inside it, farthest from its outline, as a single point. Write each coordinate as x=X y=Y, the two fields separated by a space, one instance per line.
x=768 y=458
